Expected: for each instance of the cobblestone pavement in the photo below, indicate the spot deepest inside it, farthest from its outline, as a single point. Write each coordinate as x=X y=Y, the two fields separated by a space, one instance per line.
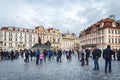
x=17 y=70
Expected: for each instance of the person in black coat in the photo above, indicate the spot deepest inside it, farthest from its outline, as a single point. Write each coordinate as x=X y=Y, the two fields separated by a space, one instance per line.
x=96 y=54
x=59 y=55
x=45 y=54
x=107 y=55
x=87 y=56
x=12 y=55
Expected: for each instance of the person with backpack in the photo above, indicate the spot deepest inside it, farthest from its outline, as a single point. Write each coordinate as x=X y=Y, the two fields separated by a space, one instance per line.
x=107 y=55
x=96 y=54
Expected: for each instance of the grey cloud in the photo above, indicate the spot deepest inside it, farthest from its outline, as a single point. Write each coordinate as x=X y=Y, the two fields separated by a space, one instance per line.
x=72 y=15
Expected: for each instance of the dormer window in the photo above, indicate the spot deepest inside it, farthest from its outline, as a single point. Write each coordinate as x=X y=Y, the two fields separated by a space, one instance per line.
x=113 y=24
x=10 y=28
x=101 y=25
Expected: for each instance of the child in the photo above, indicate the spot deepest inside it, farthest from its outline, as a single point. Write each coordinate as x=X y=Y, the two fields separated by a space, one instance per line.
x=41 y=58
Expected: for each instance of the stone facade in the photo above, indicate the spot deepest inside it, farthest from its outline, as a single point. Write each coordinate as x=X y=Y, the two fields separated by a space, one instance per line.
x=20 y=38
x=70 y=41
x=17 y=38
x=102 y=33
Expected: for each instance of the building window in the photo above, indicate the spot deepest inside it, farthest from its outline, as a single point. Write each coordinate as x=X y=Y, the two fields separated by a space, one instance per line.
x=112 y=40
x=112 y=31
x=119 y=41
x=4 y=44
x=5 y=38
x=16 y=35
x=109 y=40
x=10 y=34
x=34 y=39
x=30 y=40
x=16 y=44
x=118 y=31
x=115 y=31
x=10 y=44
x=20 y=34
x=116 y=41
x=25 y=39
x=10 y=39
x=109 y=31
x=30 y=44
x=16 y=39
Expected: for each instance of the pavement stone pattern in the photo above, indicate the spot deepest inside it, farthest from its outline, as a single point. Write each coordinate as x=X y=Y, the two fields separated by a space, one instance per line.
x=17 y=70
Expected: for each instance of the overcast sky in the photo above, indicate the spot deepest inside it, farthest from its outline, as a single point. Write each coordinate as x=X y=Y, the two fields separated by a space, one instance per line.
x=66 y=15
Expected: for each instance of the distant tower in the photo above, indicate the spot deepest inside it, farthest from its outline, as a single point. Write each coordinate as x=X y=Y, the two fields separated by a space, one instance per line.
x=112 y=17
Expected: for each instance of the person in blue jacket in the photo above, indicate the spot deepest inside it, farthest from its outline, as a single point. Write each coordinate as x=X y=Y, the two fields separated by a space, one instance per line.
x=37 y=56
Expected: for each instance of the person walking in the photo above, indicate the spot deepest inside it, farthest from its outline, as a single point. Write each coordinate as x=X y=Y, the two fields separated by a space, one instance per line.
x=96 y=54
x=37 y=56
x=107 y=55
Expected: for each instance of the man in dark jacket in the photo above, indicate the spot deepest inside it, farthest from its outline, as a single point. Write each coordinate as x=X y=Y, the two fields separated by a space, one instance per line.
x=59 y=55
x=95 y=54
x=45 y=54
x=87 y=56
x=107 y=55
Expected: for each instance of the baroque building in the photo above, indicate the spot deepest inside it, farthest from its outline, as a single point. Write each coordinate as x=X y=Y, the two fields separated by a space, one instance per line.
x=102 y=33
x=54 y=37
x=70 y=41
x=21 y=38
x=17 y=38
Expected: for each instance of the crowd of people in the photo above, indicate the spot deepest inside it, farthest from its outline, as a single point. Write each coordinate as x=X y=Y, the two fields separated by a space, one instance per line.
x=83 y=55
x=9 y=54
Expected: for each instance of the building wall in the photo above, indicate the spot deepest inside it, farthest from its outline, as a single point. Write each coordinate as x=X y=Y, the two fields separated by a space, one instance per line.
x=101 y=34
x=17 y=39
x=20 y=38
